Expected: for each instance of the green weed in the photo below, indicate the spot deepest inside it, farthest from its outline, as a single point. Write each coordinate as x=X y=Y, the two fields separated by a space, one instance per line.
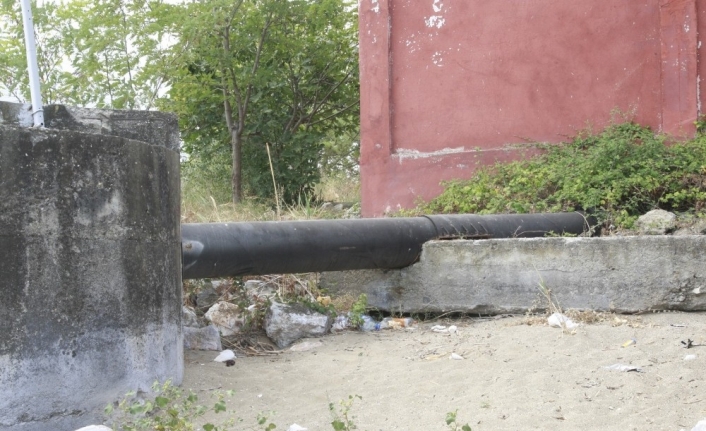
x=620 y=173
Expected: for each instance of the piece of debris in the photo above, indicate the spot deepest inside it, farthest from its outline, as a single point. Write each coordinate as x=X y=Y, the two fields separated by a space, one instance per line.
x=688 y=344
x=226 y=356
x=295 y=427
x=629 y=343
x=558 y=320
x=624 y=368
x=689 y=357
x=456 y=356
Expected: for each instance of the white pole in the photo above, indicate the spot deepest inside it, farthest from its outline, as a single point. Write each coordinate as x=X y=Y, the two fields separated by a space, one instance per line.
x=31 y=48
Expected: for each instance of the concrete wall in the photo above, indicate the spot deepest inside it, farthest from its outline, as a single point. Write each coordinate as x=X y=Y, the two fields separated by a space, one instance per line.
x=621 y=274
x=90 y=270
x=450 y=84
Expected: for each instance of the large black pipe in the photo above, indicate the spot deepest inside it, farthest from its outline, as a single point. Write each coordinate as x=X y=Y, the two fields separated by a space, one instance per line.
x=211 y=250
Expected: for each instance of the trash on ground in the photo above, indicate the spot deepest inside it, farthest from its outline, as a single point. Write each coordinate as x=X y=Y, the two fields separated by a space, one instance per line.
x=456 y=356
x=295 y=427
x=370 y=324
x=688 y=344
x=558 y=320
x=689 y=357
x=396 y=322
x=623 y=368
x=629 y=343
x=226 y=356
x=453 y=329
x=701 y=426
x=678 y=325
x=441 y=329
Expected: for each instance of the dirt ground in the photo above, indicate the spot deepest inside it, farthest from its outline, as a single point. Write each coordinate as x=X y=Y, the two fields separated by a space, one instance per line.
x=513 y=376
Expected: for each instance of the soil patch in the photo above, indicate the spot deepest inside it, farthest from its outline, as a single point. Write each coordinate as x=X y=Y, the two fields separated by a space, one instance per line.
x=514 y=375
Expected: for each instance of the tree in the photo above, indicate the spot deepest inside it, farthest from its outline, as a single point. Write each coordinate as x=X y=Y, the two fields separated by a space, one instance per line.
x=241 y=74
x=105 y=53
x=284 y=72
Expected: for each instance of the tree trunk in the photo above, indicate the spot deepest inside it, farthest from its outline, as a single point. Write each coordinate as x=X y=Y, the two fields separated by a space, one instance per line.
x=236 y=143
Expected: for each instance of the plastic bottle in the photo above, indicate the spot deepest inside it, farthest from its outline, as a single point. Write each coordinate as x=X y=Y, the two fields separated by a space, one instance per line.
x=369 y=324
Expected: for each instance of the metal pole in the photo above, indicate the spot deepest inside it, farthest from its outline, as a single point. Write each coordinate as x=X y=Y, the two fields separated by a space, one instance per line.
x=31 y=48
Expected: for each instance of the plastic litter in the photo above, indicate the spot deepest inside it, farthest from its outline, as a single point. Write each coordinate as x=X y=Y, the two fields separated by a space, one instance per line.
x=623 y=368
x=295 y=427
x=700 y=426
x=558 y=320
x=629 y=343
x=396 y=322
x=456 y=356
x=689 y=357
x=440 y=329
x=226 y=356
x=369 y=324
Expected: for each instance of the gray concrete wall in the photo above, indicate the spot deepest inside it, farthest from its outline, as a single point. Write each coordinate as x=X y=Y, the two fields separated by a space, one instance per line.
x=622 y=274
x=90 y=273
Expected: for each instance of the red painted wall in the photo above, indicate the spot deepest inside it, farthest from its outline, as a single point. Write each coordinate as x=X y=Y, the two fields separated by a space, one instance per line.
x=447 y=85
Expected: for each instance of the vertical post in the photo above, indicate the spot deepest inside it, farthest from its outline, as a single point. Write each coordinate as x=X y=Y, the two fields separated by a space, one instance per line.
x=31 y=48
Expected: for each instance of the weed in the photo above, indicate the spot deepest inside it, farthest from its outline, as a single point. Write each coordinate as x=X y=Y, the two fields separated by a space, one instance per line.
x=620 y=173
x=170 y=410
x=358 y=310
x=451 y=422
x=342 y=419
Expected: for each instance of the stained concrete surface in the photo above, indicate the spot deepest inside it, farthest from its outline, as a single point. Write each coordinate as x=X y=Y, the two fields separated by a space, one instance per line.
x=90 y=273
x=622 y=274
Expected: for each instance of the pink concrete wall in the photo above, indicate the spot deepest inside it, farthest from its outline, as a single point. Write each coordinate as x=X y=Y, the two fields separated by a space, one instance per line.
x=450 y=84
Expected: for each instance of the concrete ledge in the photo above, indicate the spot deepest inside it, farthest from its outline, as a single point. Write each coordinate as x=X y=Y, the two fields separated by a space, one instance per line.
x=621 y=274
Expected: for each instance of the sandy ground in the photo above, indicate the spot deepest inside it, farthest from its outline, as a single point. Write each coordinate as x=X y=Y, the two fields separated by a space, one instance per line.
x=513 y=377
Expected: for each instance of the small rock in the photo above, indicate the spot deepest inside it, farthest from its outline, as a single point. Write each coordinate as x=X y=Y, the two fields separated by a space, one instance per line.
x=189 y=318
x=656 y=222
x=227 y=317
x=286 y=323
x=206 y=338
x=207 y=296
x=698 y=228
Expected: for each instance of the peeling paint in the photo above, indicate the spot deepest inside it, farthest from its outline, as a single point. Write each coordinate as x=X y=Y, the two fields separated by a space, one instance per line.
x=437 y=6
x=376 y=6
x=435 y=21
x=698 y=95
x=403 y=153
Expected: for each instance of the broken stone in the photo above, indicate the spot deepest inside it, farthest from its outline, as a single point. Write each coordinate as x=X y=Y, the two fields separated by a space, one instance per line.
x=286 y=323
x=206 y=338
x=697 y=228
x=189 y=317
x=227 y=317
x=656 y=222
x=207 y=296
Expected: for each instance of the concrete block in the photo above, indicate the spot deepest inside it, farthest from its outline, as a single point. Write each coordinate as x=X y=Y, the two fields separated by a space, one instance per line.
x=621 y=274
x=90 y=274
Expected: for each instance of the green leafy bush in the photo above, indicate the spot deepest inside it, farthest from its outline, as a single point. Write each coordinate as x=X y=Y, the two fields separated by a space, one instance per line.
x=620 y=173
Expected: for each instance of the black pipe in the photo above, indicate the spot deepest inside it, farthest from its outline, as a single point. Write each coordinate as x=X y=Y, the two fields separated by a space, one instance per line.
x=211 y=250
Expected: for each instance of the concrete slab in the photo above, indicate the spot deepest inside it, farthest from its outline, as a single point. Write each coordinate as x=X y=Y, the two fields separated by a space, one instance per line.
x=621 y=274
